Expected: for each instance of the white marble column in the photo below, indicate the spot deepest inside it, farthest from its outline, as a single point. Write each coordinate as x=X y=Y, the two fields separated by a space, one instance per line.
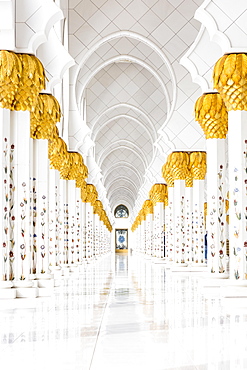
x=231 y=85
x=78 y=221
x=237 y=149
x=84 y=231
x=97 y=234
x=6 y=201
x=179 y=220
x=19 y=138
x=149 y=229
x=52 y=217
x=210 y=112
x=40 y=171
x=20 y=203
x=198 y=252
x=63 y=242
x=142 y=233
x=216 y=192
x=101 y=235
x=89 y=232
x=171 y=229
x=159 y=225
x=188 y=223
x=71 y=201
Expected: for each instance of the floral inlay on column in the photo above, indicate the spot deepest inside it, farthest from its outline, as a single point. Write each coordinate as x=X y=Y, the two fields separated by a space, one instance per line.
x=23 y=246
x=168 y=176
x=43 y=234
x=6 y=211
x=221 y=219
x=34 y=247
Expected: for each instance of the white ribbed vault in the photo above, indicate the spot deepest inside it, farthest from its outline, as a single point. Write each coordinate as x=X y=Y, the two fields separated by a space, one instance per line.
x=130 y=89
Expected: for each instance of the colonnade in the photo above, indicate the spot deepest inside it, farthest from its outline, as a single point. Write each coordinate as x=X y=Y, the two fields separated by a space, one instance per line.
x=223 y=117
x=178 y=231
x=53 y=221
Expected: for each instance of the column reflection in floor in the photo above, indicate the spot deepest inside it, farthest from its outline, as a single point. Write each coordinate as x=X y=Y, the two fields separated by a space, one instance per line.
x=125 y=313
x=160 y=320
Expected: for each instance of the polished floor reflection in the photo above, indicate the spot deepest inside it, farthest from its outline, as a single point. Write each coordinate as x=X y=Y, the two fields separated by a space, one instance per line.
x=125 y=313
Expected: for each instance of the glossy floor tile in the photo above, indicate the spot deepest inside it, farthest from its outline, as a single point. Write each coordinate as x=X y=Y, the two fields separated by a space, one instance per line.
x=125 y=313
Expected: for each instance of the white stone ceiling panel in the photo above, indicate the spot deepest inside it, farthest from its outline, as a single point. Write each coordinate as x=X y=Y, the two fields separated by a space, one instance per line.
x=121 y=183
x=106 y=86
x=122 y=170
x=124 y=155
x=124 y=129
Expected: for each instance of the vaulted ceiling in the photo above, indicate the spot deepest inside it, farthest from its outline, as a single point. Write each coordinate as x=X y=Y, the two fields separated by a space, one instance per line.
x=136 y=98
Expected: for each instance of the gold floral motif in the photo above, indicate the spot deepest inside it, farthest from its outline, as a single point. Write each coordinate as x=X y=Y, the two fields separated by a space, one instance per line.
x=211 y=113
x=230 y=79
x=198 y=165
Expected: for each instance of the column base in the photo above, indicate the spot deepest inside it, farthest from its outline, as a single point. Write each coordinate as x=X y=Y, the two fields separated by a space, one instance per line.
x=6 y=290
x=25 y=289
x=45 y=284
x=159 y=260
x=217 y=276
x=194 y=264
x=179 y=267
x=57 y=273
x=46 y=292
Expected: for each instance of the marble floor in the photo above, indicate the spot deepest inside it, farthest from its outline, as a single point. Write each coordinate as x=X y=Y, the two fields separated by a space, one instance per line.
x=125 y=313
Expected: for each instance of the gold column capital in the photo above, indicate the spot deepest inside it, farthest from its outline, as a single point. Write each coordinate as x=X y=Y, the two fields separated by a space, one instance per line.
x=92 y=194
x=230 y=79
x=10 y=75
x=211 y=113
x=178 y=164
x=32 y=81
x=142 y=215
x=198 y=165
x=158 y=193
x=148 y=207
x=57 y=152
x=98 y=207
x=44 y=116
x=168 y=174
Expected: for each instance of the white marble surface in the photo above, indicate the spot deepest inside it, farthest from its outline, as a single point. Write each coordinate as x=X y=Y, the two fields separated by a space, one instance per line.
x=125 y=314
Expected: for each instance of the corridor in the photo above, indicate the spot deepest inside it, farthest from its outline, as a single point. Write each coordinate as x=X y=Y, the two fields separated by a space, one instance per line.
x=120 y=314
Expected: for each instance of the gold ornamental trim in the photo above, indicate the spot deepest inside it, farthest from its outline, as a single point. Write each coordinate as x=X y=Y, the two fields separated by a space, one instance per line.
x=211 y=113
x=230 y=79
